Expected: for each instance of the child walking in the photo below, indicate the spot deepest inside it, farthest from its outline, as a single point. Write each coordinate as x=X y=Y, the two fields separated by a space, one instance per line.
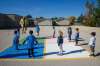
x=76 y=36
x=15 y=40
x=92 y=43
x=69 y=33
x=31 y=41
x=60 y=42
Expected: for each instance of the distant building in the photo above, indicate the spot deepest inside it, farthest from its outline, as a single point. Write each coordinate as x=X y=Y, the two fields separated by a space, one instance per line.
x=9 y=20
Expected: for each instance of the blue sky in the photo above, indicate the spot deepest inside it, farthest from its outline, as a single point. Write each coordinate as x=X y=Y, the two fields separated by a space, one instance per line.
x=45 y=8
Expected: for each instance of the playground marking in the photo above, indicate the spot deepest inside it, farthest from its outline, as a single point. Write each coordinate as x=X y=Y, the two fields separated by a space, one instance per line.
x=70 y=50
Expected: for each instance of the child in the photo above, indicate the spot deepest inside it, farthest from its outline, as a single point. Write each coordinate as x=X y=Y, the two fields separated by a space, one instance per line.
x=76 y=36
x=69 y=33
x=18 y=33
x=31 y=41
x=37 y=29
x=53 y=24
x=92 y=43
x=60 y=42
x=15 y=40
x=54 y=32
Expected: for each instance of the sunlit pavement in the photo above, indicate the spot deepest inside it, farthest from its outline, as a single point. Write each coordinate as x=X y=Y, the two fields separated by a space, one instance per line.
x=48 y=50
x=70 y=50
x=6 y=39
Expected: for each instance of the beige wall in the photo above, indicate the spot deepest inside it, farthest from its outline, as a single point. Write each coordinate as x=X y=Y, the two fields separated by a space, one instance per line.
x=9 y=20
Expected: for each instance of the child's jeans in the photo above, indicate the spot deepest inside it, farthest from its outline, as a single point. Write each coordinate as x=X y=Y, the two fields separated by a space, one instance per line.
x=30 y=52
x=76 y=41
x=92 y=48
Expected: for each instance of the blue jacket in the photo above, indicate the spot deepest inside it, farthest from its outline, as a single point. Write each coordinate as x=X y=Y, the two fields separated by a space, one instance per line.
x=31 y=41
x=77 y=36
x=37 y=28
x=15 y=40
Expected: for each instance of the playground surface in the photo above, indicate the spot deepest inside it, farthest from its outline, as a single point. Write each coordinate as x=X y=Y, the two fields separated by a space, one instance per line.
x=73 y=55
x=70 y=50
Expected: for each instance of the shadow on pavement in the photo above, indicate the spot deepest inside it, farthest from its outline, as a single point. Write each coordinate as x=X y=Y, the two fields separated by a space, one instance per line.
x=22 y=52
x=75 y=51
x=83 y=44
x=98 y=54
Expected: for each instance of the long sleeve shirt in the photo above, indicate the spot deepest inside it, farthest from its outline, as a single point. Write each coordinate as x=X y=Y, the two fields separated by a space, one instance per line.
x=92 y=41
x=31 y=41
x=77 y=35
x=60 y=40
x=15 y=40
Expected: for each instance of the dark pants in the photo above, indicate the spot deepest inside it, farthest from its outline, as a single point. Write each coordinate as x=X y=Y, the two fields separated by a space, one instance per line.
x=76 y=41
x=69 y=36
x=92 y=48
x=53 y=27
x=54 y=34
x=15 y=46
x=30 y=52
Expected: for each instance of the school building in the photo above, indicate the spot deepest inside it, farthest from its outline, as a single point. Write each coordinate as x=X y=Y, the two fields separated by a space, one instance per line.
x=9 y=20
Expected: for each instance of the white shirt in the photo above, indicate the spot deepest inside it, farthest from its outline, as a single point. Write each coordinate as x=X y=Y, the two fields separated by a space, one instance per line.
x=92 y=41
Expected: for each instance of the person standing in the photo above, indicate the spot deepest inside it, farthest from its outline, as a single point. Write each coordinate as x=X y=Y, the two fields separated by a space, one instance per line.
x=77 y=36
x=31 y=41
x=18 y=33
x=37 y=29
x=54 y=31
x=92 y=43
x=53 y=26
x=24 y=23
x=60 y=42
x=69 y=33
x=15 y=40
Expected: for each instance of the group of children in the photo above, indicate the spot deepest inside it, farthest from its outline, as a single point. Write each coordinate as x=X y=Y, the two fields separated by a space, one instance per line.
x=60 y=38
x=92 y=40
x=31 y=40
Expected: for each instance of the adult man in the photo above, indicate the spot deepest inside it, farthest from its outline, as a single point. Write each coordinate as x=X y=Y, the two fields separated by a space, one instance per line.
x=24 y=23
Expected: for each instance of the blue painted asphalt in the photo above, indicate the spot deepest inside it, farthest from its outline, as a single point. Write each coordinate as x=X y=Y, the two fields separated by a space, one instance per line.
x=22 y=52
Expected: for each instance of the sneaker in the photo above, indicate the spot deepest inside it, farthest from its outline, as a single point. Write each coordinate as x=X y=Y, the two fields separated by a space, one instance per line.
x=60 y=54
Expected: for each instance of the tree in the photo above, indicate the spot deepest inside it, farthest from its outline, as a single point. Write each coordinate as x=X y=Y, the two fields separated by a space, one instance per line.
x=80 y=18
x=29 y=16
x=97 y=13
x=89 y=18
x=41 y=17
x=72 y=20
x=98 y=4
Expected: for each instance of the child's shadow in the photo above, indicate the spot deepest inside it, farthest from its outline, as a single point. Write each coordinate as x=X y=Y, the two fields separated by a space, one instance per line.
x=98 y=54
x=83 y=44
